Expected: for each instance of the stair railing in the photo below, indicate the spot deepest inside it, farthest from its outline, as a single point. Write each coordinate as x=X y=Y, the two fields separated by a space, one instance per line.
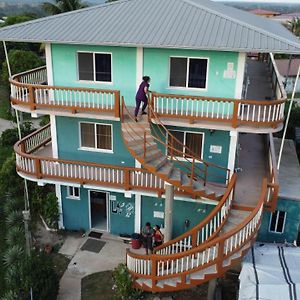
x=221 y=253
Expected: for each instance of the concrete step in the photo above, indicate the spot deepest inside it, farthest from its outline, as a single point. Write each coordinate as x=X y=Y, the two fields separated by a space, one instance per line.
x=169 y=282
x=201 y=274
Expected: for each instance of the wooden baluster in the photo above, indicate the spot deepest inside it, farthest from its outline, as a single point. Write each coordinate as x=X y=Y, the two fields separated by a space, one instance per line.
x=235 y=117
x=126 y=179
x=38 y=169
x=31 y=98
x=117 y=104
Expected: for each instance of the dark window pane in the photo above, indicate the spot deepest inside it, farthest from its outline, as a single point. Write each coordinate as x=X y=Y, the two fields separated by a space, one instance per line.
x=103 y=67
x=178 y=71
x=194 y=143
x=87 y=135
x=280 y=221
x=273 y=221
x=76 y=192
x=197 y=73
x=70 y=191
x=85 y=66
x=104 y=137
x=176 y=143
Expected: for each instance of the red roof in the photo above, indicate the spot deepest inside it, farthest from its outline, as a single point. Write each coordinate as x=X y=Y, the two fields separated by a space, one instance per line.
x=264 y=12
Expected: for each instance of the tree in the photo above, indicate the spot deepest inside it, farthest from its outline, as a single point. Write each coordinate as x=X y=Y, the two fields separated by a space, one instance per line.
x=61 y=6
x=294 y=26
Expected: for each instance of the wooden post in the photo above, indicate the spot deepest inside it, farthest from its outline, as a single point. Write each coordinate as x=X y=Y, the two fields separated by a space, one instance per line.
x=117 y=104
x=154 y=272
x=235 y=117
x=169 y=211
x=38 y=169
x=219 y=262
x=31 y=97
x=194 y=239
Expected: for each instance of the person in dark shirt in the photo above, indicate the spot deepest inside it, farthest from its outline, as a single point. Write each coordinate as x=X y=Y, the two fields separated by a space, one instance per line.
x=142 y=96
x=147 y=234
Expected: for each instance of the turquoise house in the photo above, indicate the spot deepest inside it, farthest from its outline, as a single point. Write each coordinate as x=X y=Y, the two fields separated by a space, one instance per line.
x=199 y=55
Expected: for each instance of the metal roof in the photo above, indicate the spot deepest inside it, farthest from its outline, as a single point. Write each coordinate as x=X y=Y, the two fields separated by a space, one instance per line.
x=189 y=24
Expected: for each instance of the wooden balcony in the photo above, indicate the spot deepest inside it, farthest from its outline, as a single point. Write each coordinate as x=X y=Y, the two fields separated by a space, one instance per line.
x=31 y=93
x=34 y=161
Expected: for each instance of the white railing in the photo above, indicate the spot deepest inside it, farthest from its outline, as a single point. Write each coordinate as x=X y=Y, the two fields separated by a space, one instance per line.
x=35 y=76
x=39 y=138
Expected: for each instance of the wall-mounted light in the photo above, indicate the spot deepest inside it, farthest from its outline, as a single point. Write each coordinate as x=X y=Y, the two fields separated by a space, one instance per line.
x=211 y=131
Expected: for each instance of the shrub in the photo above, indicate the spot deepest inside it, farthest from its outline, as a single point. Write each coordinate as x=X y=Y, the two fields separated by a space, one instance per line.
x=123 y=284
x=45 y=120
x=50 y=210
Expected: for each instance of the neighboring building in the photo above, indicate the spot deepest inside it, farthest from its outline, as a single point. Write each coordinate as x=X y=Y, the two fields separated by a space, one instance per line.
x=284 y=71
x=264 y=13
x=285 y=18
x=113 y=174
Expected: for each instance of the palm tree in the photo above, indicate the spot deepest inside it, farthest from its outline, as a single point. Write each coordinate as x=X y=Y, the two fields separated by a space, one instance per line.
x=61 y=6
x=294 y=26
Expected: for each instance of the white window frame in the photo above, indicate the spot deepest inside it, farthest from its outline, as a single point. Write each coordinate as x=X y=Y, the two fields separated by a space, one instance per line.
x=94 y=67
x=184 y=143
x=72 y=195
x=95 y=149
x=276 y=224
x=187 y=74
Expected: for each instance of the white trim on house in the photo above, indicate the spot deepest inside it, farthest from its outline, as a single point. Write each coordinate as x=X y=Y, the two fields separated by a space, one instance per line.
x=187 y=74
x=49 y=66
x=107 y=209
x=232 y=151
x=240 y=75
x=95 y=149
x=53 y=136
x=139 y=66
x=94 y=67
x=72 y=196
x=60 y=208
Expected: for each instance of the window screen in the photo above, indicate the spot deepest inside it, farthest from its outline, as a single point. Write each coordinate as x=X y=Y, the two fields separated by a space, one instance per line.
x=178 y=72
x=103 y=67
x=197 y=73
x=86 y=66
x=194 y=143
x=177 y=145
x=87 y=135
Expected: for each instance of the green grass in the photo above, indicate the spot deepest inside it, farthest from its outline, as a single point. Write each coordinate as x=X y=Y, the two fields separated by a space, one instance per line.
x=297 y=95
x=5 y=152
x=60 y=263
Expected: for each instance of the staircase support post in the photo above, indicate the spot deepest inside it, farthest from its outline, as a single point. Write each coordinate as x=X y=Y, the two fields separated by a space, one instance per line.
x=169 y=211
x=212 y=289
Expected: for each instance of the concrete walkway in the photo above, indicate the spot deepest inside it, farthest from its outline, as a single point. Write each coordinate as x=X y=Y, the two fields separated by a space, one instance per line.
x=5 y=124
x=84 y=263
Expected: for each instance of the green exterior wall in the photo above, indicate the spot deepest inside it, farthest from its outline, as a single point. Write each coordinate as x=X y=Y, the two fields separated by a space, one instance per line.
x=292 y=209
x=64 y=63
x=68 y=141
x=183 y=210
x=157 y=66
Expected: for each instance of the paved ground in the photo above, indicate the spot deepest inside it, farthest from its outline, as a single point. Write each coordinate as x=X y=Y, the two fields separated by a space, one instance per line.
x=5 y=124
x=84 y=263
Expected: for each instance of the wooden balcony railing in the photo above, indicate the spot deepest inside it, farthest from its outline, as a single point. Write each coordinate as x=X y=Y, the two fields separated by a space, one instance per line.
x=30 y=90
x=232 y=112
x=47 y=168
x=221 y=253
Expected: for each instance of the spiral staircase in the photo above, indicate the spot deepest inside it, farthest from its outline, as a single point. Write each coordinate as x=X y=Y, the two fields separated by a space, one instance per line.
x=213 y=246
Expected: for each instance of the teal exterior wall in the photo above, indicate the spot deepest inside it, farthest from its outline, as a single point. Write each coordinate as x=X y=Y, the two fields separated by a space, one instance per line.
x=292 y=209
x=68 y=141
x=157 y=66
x=183 y=210
x=76 y=213
x=64 y=63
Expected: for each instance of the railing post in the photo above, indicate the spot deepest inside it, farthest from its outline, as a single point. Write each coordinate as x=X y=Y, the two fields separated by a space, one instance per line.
x=38 y=169
x=154 y=272
x=117 y=104
x=31 y=97
x=235 y=117
x=22 y=147
x=220 y=256
x=126 y=179
x=194 y=239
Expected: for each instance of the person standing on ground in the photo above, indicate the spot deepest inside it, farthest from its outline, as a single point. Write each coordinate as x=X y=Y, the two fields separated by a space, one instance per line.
x=147 y=233
x=158 y=237
x=142 y=96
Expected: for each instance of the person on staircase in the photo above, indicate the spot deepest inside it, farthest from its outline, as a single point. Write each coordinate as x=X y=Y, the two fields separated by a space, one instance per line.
x=158 y=237
x=147 y=234
x=142 y=96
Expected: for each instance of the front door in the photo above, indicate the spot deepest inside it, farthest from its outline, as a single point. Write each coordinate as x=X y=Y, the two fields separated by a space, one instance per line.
x=98 y=205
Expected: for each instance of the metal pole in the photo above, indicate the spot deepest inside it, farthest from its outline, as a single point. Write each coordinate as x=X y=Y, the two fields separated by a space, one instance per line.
x=288 y=118
x=26 y=212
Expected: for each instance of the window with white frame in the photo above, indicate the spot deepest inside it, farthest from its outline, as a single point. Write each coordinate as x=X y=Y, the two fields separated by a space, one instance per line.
x=277 y=221
x=187 y=72
x=96 y=136
x=95 y=66
x=73 y=192
x=185 y=143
